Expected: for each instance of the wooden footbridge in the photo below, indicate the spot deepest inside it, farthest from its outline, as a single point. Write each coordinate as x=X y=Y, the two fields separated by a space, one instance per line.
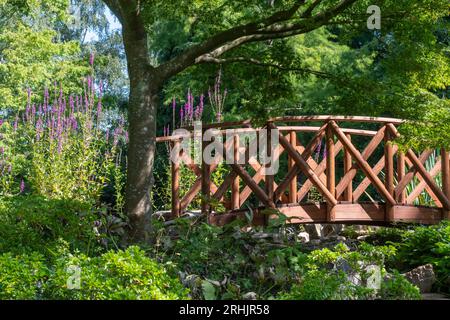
x=361 y=178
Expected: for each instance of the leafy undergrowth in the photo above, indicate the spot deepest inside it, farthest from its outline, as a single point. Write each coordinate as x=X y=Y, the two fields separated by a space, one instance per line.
x=54 y=249
x=45 y=243
x=227 y=263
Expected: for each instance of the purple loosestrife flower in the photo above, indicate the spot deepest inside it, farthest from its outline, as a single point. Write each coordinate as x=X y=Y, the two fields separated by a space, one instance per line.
x=22 y=186
x=125 y=136
x=2 y=151
x=91 y=59
x=1 y=122
x=181 y=115
x=319 y=147
x=324 y=152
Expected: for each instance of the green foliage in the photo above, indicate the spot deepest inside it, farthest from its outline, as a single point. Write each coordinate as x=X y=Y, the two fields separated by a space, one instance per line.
x=323 y=285
x=128 y=274
x=396 y=287
x=33 y=223
x=31 y=58
x=21 y=276
x=428 y=245
x=226 y=263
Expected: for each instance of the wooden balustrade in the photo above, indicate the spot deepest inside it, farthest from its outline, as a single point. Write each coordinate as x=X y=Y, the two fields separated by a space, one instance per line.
x=389 y=180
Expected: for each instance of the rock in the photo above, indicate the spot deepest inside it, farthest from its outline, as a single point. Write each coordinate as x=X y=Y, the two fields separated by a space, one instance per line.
x=303 y=237
x=363 y=238
x=250 y=296
x=314 y=231
x=423 y=277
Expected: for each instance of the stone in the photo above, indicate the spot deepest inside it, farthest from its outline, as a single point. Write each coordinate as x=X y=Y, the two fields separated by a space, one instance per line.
x=423 y=277
x=303 y=237
x=250 y=296
x=314 y=230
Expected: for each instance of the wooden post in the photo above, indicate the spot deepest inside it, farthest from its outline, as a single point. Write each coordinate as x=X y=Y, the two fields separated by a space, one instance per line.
x=445 y=162
x=389 y=174
x=268 y=177
x=206 y=181
x=331 y=172
x=235 y=201
x=400 y=174
x=291 y=164
x=175 y=168
x=348 y=192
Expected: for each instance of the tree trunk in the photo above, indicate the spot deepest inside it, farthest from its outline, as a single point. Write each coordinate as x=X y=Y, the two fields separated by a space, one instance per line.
x=141 y=149
x=145 y=85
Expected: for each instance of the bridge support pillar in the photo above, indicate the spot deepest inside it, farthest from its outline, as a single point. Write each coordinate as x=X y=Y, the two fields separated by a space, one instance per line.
x=331 y=172
x=445 y=162
x=175 y=170
x=389 y=174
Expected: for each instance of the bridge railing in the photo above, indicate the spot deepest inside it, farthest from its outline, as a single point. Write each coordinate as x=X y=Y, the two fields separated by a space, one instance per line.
x=361 y=177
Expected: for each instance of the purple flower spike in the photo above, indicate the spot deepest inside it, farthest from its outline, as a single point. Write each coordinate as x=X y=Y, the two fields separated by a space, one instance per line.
x=22 y=186
x=91 y=59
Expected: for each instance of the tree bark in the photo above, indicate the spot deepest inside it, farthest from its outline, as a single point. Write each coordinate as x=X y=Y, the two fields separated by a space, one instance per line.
x=145 y=85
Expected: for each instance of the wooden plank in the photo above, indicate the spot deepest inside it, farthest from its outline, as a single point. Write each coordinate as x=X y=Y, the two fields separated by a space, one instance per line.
x=222 y=189
x=367 y=152
x=331 y=172
x=259 y=175
x=319 y=170
x=429 y=180
x=306 y=169
x=361 y=213
x=175 y=173
x=235 y=204
x=304 y=213
x=409 y=176
x=401 y=198
x=191 y=194
x=423 y=185
x=417 y=214
x=363 y=164
x=269 y=178
x=255 y=188
x=337 y=119
x=291 y=164
x=309 y=149
x=445 y=158
x=206 y=181
x=366 y=181
x=389 y=173
x=425 y=175
x=348 y=192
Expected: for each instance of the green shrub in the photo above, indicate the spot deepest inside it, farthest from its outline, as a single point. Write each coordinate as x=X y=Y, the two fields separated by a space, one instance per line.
x=126 y=274
x=21 y=276
x=33 y=223
x=326 y=285
x=428 y=245
x=397 y=287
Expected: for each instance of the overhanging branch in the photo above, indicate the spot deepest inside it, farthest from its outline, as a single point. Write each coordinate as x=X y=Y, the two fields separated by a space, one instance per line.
x=268 y=28
x=210 y=59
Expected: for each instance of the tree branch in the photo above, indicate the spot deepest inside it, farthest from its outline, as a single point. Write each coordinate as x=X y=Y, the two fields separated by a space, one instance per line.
x=269 y=28
x=210 y=59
